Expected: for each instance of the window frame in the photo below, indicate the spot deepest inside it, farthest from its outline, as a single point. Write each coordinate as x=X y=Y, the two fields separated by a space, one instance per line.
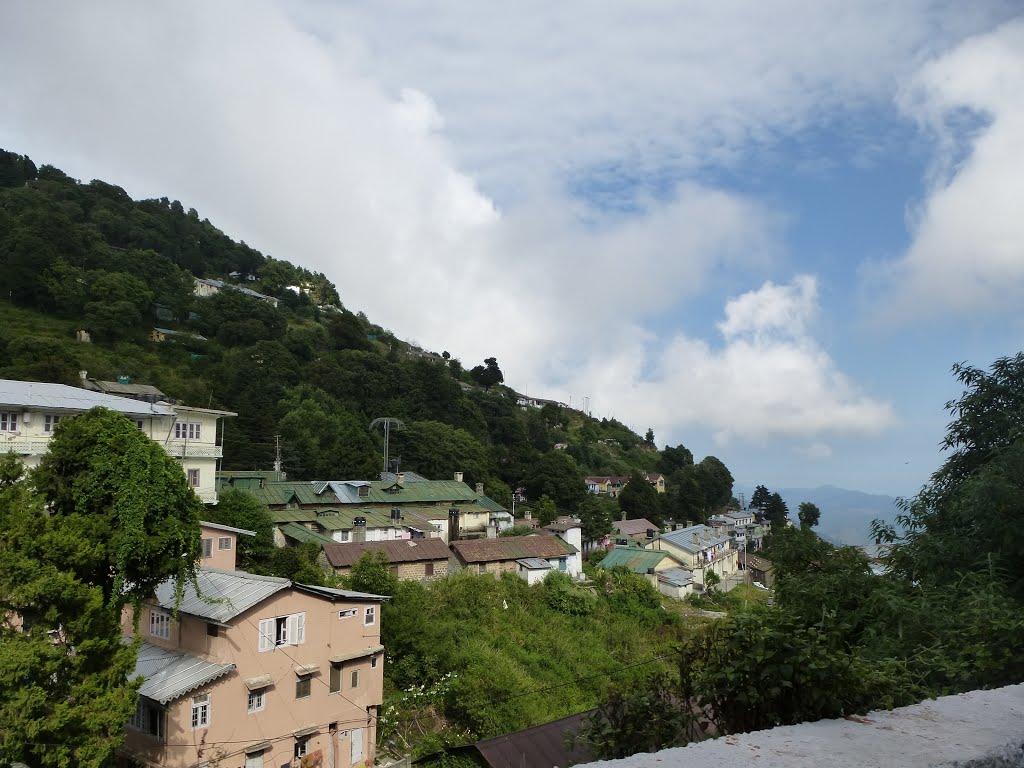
x=221 y=543
x=256 y=700
x=9 y=421
x=276 y=631
x=192 y=474
x=149 y=718
x=303 y=687
x=337 y=668
x=370 y=616
x=159 y=623
x=428 y=568
x=302 y=746
x=201 y=706
x=207 y=547
x=354 y=679
x=51 y=420
x=188 y=430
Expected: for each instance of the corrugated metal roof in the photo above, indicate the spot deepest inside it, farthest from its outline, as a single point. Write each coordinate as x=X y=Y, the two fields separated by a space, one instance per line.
x=534 y=564
x=301 y=533
x=390 y=492
x=281 y=493
x=60 y=397
x=676 y=577
x=635 y=527
x=219 y=527
x=490 y=504
x=225 y=594
x=168 y=675
x=403 y=551
x=634 y=558
x=511 y=548
x=342 y=519
x=543 y=746
x=683 y=538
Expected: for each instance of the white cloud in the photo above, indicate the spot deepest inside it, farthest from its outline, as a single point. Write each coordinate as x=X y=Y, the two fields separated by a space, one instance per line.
x=770 y=378
x=967 y=252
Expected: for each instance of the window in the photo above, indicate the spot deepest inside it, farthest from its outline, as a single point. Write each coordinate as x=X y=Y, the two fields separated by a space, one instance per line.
x=50 y=421
x=343 y=536
x=561 y=563
x=283 y=630
x=8 y=421
x=193 y=478
x=348 y=613
x=148 y=718
x=257 y=699
x=207 y=547
x=212 y=629
x=186 y=430
x=335 y=678
x=159 y=623
x=303 y=687
x=482 y=568
x=428 y=569
x=373 y=662
x=302 y=747
x=224 y=542
x=354 y=679
x=371 y=615
x=255 y=760
x=140 y=424
x=201 y=710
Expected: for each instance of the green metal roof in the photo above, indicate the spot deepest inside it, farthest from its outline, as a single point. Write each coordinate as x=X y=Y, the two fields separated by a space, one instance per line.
x=384 y=492
x=490 y=504
x=301 y=533
x=279 y=494
x=635 y=559
x=342 y=519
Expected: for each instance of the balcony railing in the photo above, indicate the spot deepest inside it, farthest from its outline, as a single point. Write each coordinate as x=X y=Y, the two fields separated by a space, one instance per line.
x=186 y=449
x=35 y=445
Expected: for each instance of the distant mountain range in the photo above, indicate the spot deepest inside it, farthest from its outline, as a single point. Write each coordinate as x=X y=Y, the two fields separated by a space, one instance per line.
x=845 y=515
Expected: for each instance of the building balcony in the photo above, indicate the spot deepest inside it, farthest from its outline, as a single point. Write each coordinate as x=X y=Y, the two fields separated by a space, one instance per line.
x=25 y=445
x=188 y=449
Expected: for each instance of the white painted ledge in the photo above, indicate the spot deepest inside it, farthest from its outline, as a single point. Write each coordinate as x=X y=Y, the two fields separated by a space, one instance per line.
x=982 y=728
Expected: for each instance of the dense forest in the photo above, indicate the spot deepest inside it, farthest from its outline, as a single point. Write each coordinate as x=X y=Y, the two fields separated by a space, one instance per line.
x=86 y=257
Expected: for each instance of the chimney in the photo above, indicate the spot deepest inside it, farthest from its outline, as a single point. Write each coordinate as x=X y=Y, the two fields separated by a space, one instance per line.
x=453 y=524
x=527 y=515
x=83 y=375
x=359 y=529
x=400 y=478
x=492 y=531
x=689 y=524
x=696 y=538
x=458 y=477
x=479 y=489
x=707 y=534
x=650 y=533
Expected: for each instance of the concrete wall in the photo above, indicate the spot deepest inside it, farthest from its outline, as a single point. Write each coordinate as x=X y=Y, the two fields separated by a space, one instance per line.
x=406 y=571
x=977 y=729
x=219 y=558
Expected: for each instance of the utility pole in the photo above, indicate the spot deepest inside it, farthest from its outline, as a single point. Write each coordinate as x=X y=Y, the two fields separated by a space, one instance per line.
x=387 y=422
x=277 y=453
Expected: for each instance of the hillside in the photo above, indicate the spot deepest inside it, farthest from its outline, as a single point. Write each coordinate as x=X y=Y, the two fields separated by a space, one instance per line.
x=91 y=273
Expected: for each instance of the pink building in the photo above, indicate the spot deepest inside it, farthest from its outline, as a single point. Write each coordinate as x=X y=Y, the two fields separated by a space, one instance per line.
x=256 y=671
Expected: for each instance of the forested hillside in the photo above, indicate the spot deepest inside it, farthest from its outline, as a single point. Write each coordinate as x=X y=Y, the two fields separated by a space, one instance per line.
x=86 y=257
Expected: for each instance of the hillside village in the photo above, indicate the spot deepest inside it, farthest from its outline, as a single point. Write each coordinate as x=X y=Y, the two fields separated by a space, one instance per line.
x=241 y=526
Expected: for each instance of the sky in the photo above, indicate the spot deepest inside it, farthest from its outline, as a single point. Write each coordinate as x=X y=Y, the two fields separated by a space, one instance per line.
x=764 y=230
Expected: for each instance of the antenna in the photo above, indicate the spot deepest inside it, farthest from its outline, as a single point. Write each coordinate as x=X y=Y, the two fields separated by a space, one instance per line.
x=388 y=422
x=277 y=453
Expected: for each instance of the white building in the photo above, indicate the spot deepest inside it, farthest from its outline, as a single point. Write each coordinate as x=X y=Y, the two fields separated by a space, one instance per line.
x=29 y=412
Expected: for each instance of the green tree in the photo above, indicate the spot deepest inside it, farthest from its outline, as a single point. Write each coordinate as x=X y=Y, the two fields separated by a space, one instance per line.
x=437 y=450
x=118 y=302
x=488 y=374
x=596 y=516
x=557 y=475
x=323 y=440
x=684 y=499
x=808 y=514
x=240 y=509
x=639 y=499
x=760 y=498
x=545 y=510
x=715 y=482
x=64 y=690
x=649 y=438
x=674 y=458
x=372 y=573
x=776 y=512
x=106 y=483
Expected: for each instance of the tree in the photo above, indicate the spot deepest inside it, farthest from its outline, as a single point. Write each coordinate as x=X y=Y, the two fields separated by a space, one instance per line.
x=108 y=485
x=808 y=514
x=240 y=509
x=64 y=690
x=545 y=510
x=776 y=512
x=372 y=573
x=639 y=499
x=324 y=440
x=488 y=374
x=715 y=482
x=760 y=498
x=596 y=516
x=557 y=475
x=649 y=438
x=673 y=459
x=437 y=450
x=684 y=499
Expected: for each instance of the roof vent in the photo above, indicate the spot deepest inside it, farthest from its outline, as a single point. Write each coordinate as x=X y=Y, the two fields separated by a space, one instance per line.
x=122 y=379
x=396 y=513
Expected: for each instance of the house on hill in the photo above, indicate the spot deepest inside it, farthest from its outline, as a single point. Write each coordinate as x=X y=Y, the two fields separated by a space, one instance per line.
x=666 y=572
x=278 y=670
x=411 y=560
x=124 y=387
x=30 y=411
x=639 y=531
x=498 y=556
x=700 y=549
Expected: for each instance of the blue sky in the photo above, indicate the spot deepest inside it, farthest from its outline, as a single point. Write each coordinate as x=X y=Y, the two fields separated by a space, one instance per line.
x=765 y=230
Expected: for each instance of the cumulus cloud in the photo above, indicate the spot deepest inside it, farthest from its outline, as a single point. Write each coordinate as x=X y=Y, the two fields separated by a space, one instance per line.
x=966 y=252
x=768 y=378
